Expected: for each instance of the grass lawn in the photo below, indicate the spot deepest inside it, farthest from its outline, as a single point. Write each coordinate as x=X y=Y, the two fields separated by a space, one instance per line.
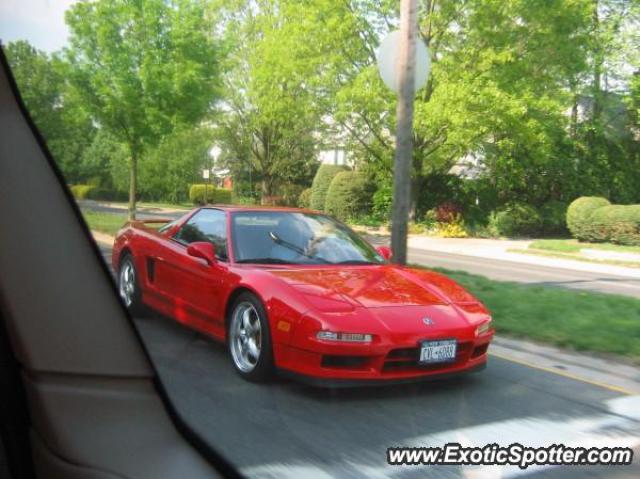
x=583 y=321
x=108 y=223
x=573 y=246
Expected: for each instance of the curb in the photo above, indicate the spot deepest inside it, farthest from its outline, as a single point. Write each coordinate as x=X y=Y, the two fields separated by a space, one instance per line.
x=611 y=373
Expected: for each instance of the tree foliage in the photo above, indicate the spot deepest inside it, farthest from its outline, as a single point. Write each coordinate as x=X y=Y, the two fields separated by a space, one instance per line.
x=143 y=68
x=539 y=101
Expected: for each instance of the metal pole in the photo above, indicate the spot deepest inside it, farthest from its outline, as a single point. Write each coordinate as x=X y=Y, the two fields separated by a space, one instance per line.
x=404 y=130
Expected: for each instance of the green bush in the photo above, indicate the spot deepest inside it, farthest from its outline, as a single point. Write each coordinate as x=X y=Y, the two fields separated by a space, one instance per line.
x=554 y=218
x=349 y=195
x=214 y=195
x=93 y=192
x=516 y=219
x=615 y=223
x=321 y=183
x=304 y=200
x=382 y=201
x=579 y=215
x=243 y=200
x=81 y=192
x=290 y=194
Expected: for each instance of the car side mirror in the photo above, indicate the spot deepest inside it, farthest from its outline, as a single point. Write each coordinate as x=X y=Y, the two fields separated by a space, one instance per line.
x=385 y=252
x=204 y=250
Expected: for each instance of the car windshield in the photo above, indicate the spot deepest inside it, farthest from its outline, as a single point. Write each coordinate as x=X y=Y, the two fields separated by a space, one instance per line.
x=271 y=237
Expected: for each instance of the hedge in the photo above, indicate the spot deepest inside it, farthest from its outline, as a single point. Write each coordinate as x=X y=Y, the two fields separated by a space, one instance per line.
x=80 y=192
x=321 y=183
x=93 y=192
x=304 y=200
x=349 y=195
x=614 y=223
x=579 y=215
x=516 y=219
x=214 y=195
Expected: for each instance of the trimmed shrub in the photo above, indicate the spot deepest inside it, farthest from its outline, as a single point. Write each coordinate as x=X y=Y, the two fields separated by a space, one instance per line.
x=321 y=183
x=579 y=215
x=516 y=219
x=349 y=195
x=93 y=192
x=554 y=218
x=81 y=192
x=214 y=195
x=615 y=223
x=304 y=200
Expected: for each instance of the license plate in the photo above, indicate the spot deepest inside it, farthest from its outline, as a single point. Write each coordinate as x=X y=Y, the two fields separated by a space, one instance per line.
x=438 y=351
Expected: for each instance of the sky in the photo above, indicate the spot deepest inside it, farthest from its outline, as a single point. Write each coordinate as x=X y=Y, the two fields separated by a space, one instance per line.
x=41 y=22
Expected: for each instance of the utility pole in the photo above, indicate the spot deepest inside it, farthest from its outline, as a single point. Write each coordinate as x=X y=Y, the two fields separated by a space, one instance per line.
x=406 y=71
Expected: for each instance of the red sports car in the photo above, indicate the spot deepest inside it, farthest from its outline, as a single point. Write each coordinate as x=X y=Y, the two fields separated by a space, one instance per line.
x=297 y=292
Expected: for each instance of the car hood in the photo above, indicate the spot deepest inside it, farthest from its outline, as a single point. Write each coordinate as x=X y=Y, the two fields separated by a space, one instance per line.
x=384 y=286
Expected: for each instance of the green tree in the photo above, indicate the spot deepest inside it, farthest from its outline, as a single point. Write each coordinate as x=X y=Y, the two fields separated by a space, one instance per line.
x=143 y=68
x=60 y=117
x=271 y=118
x=167 y=170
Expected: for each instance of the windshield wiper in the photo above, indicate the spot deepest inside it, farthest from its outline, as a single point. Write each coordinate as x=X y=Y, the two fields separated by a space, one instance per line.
x=264 y=261
x=356 y=261
x=276 y=239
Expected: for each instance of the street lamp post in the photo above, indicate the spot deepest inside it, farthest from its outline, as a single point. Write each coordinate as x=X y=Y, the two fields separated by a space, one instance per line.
x=214 y=154
x=206 y=175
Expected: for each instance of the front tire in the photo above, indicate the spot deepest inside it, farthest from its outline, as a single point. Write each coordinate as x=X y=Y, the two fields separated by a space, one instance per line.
x=129 y=285
x=249 y=339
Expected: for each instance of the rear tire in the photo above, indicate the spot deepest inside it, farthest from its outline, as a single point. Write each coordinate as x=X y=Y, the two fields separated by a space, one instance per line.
x=249 y=339
x=129 y=286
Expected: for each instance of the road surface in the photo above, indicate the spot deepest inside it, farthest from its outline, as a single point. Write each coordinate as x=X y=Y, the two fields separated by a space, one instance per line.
x=287 y=430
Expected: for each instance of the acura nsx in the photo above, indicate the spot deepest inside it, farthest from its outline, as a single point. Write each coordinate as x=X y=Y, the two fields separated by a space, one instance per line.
x=296 y=292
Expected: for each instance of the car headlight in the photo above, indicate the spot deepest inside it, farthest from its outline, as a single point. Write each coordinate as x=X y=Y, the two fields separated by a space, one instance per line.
x=483 y=328
x=344 y=337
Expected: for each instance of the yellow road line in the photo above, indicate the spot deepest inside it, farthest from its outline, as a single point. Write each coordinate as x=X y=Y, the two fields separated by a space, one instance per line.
x=564 y=374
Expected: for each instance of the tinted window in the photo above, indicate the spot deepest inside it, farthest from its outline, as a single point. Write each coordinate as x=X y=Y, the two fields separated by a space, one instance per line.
x=206 y=225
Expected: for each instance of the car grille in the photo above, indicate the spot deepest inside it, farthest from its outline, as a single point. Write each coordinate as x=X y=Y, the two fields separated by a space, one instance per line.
x=407 y=359
x=344 y=362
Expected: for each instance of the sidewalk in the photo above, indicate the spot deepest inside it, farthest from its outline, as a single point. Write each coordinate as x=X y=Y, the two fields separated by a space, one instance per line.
x=140 y=207
x=498 y=250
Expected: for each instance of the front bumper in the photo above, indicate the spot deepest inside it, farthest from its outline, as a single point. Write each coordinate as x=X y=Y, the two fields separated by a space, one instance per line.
x=386 y=362
x=353 y=383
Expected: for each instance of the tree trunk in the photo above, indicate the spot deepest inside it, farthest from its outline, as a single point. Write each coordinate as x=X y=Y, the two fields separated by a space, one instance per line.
x=574 y=116
x=404 y=130
x=598 y=64
x=266 y=190
x=133 y=182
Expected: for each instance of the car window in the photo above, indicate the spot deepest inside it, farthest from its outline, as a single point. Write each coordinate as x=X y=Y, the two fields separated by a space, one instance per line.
x=206 y=225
